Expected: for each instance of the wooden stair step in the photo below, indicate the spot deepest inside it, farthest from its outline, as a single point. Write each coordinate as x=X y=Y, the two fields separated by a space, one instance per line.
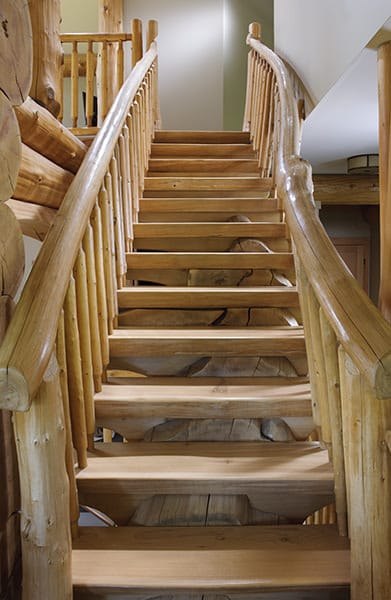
x=292 y=479
x=207 y=297
x=230 y=205
x=209 y=260
x=275 y=216
x=202 y=137
x=195 y=399
x=216 y=166
x=253 y=559
x=200 y=150
x=212 y=230
x=218 y=341
x=206 y=184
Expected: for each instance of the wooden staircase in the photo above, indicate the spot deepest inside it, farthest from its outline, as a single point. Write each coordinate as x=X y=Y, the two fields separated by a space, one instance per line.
x=207 y=383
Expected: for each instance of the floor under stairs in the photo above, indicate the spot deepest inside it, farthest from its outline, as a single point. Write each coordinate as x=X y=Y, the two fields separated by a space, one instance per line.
x=207 y=383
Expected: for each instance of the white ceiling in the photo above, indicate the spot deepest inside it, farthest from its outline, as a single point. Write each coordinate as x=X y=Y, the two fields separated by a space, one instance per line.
x=345 y=122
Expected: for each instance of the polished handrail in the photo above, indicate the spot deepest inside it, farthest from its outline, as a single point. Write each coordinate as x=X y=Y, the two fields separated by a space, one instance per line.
x=29 y=341
x=357 y=323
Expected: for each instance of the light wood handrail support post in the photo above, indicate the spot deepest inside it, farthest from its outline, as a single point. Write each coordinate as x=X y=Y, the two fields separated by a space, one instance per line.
x=384 y=90
x=137 y=40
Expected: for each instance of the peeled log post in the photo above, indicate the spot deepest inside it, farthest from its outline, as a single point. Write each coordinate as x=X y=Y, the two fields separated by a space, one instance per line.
x=41 y=181
x=45 y=518
x=15 y=50
x=10 y=149
x=11 y=271
x=44 y=134
x=384 y=87
x=46 y=82
x=111 y=21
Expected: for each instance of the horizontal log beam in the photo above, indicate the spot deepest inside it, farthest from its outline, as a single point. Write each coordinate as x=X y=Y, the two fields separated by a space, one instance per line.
x=40 y=181
x=34 y=219
x=346 y=189
x=44 y=134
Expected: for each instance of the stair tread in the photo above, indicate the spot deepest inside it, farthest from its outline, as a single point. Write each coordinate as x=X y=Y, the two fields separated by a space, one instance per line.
x=208 y=204
x=177 y=467
x=221 y=341
x=198 y=230
x=211 y=260
x=178 y=183
x=188 y=136
x=207 y=297
x=210 y=558
x=215 y=399
x=202 y=166
x=195 y=150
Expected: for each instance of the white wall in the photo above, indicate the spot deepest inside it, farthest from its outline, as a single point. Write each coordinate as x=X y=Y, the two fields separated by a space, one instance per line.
x=321 y=38
x=190 y=59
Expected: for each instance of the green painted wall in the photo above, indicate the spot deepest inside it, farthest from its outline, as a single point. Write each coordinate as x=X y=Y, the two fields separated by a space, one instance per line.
x=79 y=16
x=237 y=16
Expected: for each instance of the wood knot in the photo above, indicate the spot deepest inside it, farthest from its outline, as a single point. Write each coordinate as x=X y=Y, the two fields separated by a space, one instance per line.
x=4 y=25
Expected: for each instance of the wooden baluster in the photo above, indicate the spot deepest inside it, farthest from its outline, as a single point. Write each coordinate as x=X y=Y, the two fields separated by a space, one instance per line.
x=102 y=85
x=249 y=92
x=90 y=76
x=330 y=353
x=133 y=166
x=266 y=126
x=45 y=518
x=69 y=459
x=96 y=223
x=74 y=84
x=121 y=267
x=304 y=286
x=120 y=65
x=256 y=100
x=75 y=378
x=110 y=204
x=314 y=332
x=261 y=103
x=60 y=116
x=83 y=320
x=368 y=470
x=126 y=187
x=97 y=363
x=137 y=146
x=108 y=258
x=137 y=40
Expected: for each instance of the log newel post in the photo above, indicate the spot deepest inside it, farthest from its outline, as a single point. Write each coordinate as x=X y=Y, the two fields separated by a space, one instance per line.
x=137 y=40
x=384 y=91
x=45 y=518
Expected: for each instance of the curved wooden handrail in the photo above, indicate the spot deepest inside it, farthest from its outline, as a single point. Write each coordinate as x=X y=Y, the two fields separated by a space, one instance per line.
x=357 y=323
x=28 y=344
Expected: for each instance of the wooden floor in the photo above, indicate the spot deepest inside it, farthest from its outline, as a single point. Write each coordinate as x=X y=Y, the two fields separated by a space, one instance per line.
x=207 y=383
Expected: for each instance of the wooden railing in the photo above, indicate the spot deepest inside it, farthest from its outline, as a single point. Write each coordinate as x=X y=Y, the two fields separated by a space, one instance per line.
x=55 y=350
x=93 y=73
x=348 y=341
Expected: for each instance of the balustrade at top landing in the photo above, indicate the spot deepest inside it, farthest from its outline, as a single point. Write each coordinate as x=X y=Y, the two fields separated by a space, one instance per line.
x=348 y=341
x=93 y=72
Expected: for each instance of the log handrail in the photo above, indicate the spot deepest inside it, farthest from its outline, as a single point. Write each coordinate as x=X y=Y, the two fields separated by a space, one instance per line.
x=357 y=323
x=348 y=342
x=28 y=344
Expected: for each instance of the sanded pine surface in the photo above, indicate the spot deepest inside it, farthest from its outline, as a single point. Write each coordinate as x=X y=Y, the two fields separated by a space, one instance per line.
x=181 y=398
x=209 y=260
x=203 y=150
x=202 y=137
x=258 y=341
x=207 y=297
x=237 y=560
